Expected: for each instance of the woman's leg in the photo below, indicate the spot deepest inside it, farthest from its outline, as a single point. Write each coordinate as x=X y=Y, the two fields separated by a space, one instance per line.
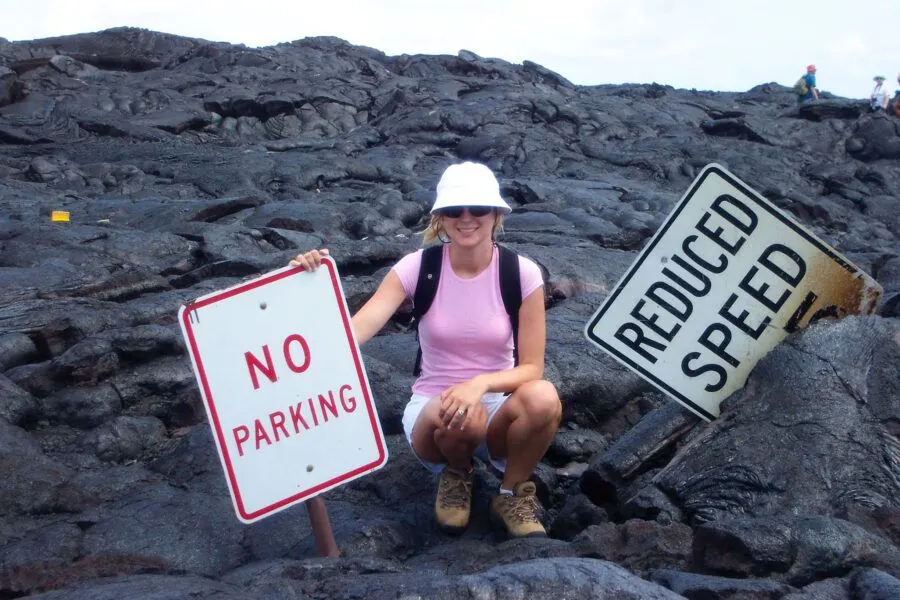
x=435 y=443
x=521 y=432
x=523 y=428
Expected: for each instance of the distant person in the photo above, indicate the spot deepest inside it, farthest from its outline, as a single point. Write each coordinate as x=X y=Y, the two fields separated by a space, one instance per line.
x=472 y=397
x=805 y=88
x=880 y=98
x=896 y=103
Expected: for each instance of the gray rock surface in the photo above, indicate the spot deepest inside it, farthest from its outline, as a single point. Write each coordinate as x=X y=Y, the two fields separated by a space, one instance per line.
x=187 y=165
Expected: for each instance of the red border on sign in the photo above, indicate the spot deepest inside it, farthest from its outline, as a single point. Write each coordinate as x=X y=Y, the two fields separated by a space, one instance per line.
x=207 y=393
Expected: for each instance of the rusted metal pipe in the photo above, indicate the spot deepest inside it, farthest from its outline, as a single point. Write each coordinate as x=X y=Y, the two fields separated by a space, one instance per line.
x=321 y=526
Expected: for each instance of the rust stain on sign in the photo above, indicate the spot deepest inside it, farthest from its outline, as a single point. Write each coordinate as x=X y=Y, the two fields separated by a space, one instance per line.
x=840 y=290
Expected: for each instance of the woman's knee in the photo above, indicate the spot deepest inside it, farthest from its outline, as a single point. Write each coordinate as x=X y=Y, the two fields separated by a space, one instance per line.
x=540 y=400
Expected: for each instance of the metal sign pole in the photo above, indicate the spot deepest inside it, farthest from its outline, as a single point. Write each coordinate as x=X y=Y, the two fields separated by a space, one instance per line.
x=321 y=526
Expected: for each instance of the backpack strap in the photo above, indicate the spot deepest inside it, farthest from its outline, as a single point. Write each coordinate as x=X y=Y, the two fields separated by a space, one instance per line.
x=426 y=288
x=511 y=292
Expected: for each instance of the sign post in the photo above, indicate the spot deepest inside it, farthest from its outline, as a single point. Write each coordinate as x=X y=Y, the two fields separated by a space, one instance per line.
x=321 y=526
x=724 y=280
x=285 y=391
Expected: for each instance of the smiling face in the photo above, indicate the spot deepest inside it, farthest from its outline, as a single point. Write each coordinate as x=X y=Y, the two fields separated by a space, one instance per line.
x=468 y=230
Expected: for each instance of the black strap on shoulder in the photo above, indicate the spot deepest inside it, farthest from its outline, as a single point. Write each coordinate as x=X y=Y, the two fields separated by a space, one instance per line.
x=511 y=292
x=430 y=275
x=426 y=288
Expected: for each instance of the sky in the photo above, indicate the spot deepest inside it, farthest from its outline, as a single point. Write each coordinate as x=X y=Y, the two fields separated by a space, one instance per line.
x=715 y=45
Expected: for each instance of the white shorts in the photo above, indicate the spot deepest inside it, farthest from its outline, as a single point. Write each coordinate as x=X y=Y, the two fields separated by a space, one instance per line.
x=492 y=402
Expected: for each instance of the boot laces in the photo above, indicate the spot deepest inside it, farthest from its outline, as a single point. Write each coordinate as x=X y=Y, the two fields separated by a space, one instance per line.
x=455 y=490
x=522 y=508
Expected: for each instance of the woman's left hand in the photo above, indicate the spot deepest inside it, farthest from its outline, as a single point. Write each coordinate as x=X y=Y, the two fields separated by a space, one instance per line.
x=458 y=400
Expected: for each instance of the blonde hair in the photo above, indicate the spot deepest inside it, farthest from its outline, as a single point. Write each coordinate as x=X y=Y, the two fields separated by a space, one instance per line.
x=436 y=228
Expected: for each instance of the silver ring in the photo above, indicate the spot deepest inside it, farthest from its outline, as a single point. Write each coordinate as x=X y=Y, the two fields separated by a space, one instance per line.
x=461 y=411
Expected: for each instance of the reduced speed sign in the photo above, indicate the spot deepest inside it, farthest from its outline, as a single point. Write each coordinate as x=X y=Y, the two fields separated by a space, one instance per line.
x=724 y=280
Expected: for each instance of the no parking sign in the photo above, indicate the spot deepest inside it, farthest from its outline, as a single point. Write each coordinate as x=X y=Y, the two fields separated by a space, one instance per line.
x=284 y=388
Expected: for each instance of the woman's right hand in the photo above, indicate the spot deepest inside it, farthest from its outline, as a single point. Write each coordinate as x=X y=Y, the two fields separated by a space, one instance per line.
x=310 y=261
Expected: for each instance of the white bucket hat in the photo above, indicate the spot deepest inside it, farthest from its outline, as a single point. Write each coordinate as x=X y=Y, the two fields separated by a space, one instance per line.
x=469 y=184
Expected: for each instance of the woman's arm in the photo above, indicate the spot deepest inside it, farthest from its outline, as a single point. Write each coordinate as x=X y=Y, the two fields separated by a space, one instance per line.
x=373 y=315
x=532 y=340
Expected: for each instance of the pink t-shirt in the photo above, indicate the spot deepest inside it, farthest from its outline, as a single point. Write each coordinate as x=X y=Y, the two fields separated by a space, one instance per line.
x=466 y=331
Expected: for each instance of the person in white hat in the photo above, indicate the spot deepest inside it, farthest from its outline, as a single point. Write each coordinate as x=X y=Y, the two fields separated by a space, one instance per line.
x=880 y=96
x=471 y=397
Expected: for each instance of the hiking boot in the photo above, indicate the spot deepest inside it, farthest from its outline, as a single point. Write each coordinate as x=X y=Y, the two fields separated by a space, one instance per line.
x=453 y=503
x=518 y=513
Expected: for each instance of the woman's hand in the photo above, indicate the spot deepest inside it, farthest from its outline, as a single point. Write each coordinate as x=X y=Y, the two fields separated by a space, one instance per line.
x=458 y=401
x=310 y=261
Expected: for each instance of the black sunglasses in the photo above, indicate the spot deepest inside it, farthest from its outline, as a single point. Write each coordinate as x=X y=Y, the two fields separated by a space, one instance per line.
x=455 y=212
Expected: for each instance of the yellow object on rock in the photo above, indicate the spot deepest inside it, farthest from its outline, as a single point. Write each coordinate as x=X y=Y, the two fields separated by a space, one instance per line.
x=59 y=216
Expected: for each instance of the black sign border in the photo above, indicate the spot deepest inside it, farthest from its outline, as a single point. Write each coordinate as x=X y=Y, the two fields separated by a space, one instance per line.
x=764 y=204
